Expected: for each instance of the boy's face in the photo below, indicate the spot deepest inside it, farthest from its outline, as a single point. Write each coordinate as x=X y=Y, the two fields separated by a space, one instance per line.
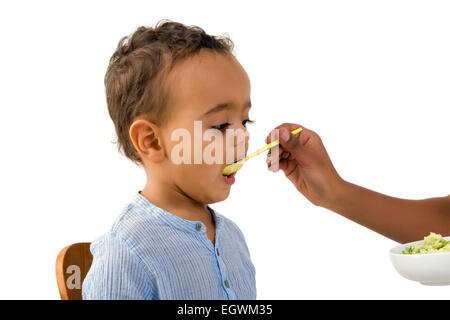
x=214 y=89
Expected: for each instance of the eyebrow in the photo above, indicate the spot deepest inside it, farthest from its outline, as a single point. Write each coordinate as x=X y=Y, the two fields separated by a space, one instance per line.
x=224 y=106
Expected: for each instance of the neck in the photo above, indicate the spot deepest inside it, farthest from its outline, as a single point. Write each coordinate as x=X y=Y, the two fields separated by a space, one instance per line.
x=168 y=196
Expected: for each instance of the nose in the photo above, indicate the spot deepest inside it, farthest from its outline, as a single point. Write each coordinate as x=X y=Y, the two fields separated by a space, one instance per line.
x=240 y=154
x=236 y=145
x=241 y=148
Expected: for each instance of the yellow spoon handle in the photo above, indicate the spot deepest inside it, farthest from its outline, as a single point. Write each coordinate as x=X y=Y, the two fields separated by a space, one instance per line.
x=269 y=146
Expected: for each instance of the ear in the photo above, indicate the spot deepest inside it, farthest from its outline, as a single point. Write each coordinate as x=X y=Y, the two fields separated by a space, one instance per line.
x=146 y=139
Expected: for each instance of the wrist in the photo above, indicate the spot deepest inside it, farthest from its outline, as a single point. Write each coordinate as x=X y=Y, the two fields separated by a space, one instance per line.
x=340 y=189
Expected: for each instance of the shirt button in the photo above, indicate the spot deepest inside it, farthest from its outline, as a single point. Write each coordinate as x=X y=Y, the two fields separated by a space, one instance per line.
x=217 y=251
x=198 y=227
x=227 y=284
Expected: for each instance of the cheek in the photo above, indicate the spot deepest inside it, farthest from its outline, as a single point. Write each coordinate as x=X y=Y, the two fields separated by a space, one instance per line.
x=208 y=172
x=235 y=150
x=206 y=183
x=200 y=175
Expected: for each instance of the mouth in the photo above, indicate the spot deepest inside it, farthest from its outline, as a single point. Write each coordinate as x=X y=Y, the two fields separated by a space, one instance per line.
x=229 y=180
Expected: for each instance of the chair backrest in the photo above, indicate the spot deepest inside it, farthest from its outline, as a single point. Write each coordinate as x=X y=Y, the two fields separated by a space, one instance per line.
x=72 y=265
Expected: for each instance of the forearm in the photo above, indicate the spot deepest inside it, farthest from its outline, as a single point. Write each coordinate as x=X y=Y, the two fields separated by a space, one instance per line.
x=398 y=219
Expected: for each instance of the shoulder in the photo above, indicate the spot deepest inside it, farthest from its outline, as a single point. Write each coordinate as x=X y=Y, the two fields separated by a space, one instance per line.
x=135 y=225
x=231 y=230
x=139 y=229
x=111 y=248
x=117 y=272
x=114 y=254
x=229 y=225
x=132 y=235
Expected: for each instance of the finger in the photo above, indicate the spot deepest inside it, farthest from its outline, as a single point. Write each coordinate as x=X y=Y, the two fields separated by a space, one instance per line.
x=290 y=170
x=287 y=166
x=281 y=163
x=284 y=155
x=274 y=167
x=288 y=126
x=288 y=141
x=268 y=157
x=295 y=143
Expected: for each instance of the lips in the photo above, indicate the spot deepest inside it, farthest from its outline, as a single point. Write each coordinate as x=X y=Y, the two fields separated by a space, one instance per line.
x=229 y=180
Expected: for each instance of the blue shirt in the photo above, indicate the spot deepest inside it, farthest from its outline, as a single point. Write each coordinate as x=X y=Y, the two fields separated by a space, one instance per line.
x=150 y=253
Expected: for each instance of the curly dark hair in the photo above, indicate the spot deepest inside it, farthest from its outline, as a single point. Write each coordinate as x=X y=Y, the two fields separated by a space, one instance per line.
x=134 y=80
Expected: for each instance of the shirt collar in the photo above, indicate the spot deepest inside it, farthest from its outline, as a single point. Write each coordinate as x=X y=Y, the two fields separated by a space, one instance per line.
x=171 y=219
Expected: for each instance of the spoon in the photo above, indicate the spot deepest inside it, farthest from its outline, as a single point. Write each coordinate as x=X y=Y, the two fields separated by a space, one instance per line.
x=232 y=168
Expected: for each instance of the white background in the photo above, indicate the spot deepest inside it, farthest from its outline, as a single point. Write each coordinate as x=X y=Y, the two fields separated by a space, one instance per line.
x=371 y=77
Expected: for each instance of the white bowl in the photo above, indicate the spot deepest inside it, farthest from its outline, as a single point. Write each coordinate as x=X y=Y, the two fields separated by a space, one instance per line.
x=429 y=269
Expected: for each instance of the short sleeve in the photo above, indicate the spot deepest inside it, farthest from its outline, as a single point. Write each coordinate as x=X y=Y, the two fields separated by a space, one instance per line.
x=116 y=273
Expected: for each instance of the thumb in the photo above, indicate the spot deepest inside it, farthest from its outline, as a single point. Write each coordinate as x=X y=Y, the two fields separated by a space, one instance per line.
x=288 y=141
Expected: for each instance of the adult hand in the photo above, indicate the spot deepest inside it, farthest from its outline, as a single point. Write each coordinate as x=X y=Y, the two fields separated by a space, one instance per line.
x=305 y=162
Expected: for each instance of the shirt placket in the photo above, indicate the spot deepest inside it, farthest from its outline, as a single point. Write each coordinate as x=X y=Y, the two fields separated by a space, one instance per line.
x=216 y=251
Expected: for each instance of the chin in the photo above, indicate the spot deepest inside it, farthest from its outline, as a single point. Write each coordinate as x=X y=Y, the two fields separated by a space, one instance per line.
x=219 y=196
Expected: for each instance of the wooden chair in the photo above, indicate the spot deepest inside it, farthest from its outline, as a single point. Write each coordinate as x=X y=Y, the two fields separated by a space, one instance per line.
x=72 y=265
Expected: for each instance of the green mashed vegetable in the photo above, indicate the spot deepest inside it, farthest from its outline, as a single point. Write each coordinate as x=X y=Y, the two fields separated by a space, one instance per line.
x=431 y=244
